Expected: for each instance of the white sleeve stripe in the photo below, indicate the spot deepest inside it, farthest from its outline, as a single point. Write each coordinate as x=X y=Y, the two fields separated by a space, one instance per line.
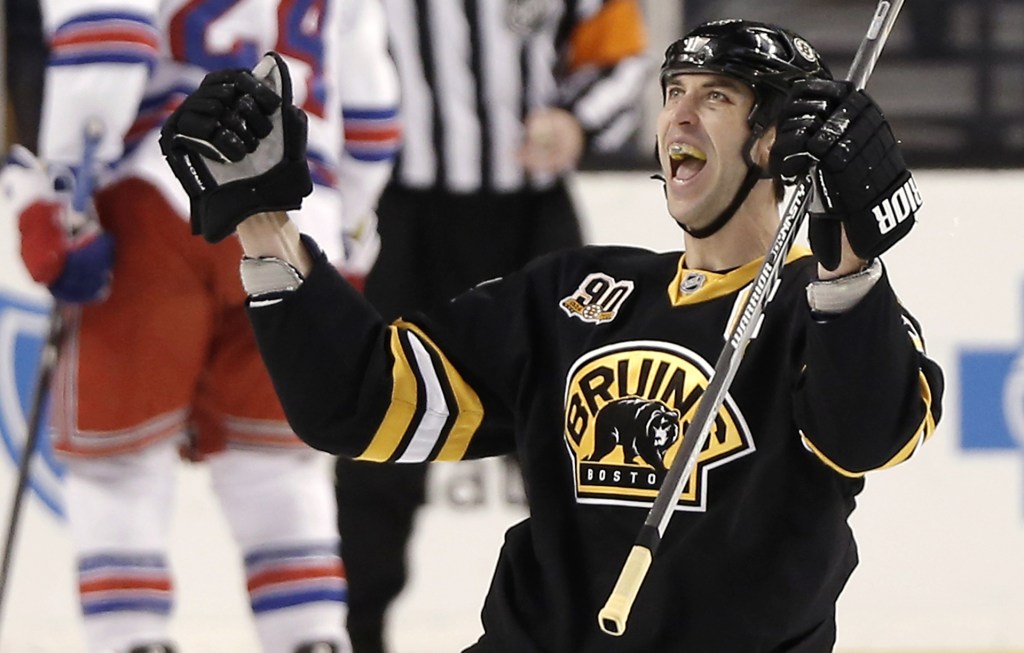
x=617 y=132
x=436 y=412
x=602 y=101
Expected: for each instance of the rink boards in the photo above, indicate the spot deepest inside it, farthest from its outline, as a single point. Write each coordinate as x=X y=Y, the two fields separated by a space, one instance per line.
x=941 y=539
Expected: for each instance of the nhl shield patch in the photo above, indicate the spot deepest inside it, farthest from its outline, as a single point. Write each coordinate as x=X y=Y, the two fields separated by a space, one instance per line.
x=597 y=299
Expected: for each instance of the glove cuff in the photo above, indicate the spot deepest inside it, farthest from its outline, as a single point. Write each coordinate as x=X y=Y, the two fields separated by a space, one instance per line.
x=840 y=295
x=268 y=275
x=87 y=273
x=279 y=189
x=874 y=230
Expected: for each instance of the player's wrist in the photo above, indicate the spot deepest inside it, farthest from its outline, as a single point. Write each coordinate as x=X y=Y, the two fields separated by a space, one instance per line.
x=274 y=235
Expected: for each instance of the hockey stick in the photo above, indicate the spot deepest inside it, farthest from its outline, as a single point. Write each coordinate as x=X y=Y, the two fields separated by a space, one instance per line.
x=50 y=353
x=612 y=617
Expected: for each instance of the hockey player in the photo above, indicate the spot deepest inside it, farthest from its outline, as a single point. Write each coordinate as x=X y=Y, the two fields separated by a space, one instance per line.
x=504 y=97
x=159 y=358
x=589 y=364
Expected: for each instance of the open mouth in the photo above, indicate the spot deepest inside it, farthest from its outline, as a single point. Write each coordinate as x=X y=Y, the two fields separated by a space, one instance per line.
x=686 y=161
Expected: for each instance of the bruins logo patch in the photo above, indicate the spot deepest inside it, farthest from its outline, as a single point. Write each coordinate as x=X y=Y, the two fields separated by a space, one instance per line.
x=627 y=407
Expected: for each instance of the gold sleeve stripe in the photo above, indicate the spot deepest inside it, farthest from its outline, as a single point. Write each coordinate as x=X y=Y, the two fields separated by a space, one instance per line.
x=825 y=459
x=402 y=410
x=920 y=436
x=923 y=432
x=614 y=33
x=470 y=413
x=435 y=413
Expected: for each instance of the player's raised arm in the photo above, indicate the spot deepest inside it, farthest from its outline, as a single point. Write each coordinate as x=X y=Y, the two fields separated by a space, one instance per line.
x=347 y=379
x=860 y=340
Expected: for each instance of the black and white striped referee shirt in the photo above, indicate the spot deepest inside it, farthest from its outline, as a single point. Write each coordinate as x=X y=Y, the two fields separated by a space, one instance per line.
x=470 y=70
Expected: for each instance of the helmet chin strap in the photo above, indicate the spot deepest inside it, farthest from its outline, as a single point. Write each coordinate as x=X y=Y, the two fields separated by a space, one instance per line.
x=755 y=173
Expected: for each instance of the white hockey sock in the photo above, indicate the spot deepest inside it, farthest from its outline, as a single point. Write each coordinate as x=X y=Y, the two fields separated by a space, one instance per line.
x=281 y=508
x=118 y=512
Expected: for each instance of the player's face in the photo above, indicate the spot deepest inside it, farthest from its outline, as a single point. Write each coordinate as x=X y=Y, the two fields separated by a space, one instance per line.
x=702 y=128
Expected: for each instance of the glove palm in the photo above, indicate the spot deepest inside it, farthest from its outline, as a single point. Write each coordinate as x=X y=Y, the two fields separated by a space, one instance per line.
x=238 y=146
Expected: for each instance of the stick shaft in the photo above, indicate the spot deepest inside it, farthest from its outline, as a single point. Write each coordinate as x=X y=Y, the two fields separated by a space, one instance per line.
x=47 y=365
x=612 y=618
x=48 y=358
x=871 y=46
x=763 y=288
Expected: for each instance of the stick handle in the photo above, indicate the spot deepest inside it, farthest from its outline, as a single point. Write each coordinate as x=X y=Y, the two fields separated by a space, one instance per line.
x=85 y=179
x=616 y=610
x=612 y=618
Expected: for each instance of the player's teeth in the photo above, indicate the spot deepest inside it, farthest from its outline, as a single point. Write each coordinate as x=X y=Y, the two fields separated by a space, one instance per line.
x=679 y=151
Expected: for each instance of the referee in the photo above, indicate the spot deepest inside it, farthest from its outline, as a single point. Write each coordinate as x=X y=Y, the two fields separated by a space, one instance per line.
x=500 y=100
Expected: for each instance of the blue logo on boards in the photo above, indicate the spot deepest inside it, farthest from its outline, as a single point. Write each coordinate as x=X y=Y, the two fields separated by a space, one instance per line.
x=992 y=398
x=23 y=328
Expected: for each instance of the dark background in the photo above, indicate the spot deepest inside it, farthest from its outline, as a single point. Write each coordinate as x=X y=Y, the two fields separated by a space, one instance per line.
x=950 y=80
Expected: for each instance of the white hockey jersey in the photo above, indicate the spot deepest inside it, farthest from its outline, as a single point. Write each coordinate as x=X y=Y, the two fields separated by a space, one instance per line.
x=129 y=63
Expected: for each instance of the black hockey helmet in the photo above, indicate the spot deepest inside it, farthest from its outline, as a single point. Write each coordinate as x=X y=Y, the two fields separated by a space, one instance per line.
x=766 y=56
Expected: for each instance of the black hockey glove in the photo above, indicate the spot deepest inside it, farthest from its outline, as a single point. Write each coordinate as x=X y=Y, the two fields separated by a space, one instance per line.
x=238 y=146
x=861 y=176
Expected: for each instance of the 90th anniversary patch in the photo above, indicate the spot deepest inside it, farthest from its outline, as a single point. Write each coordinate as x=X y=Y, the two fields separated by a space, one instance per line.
x=627 y=406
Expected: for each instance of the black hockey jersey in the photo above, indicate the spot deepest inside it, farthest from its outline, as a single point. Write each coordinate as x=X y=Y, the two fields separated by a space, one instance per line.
x=588 y=366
